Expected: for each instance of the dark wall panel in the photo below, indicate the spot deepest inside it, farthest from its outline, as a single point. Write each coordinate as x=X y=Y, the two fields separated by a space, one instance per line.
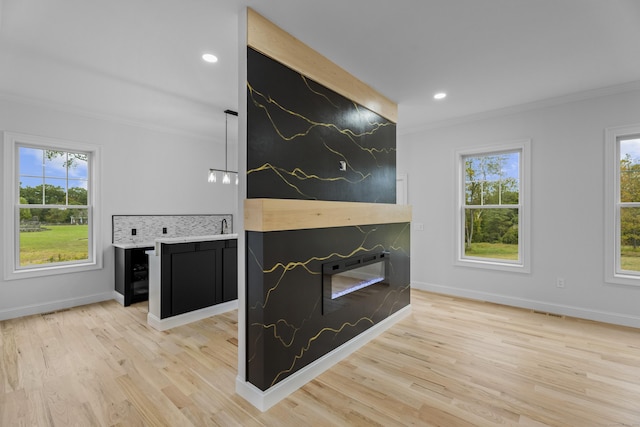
x=299 y=131
x=287 y=328
x=298 y=134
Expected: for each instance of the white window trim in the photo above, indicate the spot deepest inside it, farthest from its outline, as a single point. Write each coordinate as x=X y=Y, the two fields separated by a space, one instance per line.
x=611 y=197
x=12 y=218
x=524 y=223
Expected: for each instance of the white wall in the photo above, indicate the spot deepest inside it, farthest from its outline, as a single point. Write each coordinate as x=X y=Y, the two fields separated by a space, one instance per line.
x=567 y=148
x=143 y=172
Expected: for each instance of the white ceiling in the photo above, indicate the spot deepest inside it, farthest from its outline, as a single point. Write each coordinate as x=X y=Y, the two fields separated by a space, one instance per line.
x=139 y=60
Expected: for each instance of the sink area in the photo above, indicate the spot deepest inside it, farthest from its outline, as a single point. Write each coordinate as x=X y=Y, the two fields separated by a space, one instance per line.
x=138 y=239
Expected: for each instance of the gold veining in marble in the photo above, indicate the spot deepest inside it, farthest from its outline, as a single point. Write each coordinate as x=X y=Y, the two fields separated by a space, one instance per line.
x=349 y=166
x=292 y=265
x=255 y=347
x=287 y=333
x=267 y=104
x=387 y=296
x=278 y=336
x=400 y=248
x=307 y=346
x=312 y=124
x=302 y=176
x=304 y=349
x=294 y=328
x=306 y=82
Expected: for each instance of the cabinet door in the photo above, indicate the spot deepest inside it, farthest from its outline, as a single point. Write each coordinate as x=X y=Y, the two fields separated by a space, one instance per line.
x=193 y=281
x=120 y=270
x=230 y=272
x=131 y=274
x=139 y=274
x=190 y=272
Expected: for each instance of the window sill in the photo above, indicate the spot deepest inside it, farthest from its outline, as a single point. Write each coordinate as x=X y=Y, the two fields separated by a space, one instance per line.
x=12 y=274
x=623 y=279
x=492 y=265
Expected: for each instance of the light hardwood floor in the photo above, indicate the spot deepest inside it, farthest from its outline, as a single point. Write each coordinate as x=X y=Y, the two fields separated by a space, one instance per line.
x=453 y=362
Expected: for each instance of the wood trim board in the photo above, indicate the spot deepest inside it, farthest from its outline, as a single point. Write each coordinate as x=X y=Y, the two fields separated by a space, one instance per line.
x=265 y=215
x=269 y=39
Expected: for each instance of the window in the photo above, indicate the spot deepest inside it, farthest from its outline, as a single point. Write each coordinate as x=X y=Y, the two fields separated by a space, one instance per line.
x=622 y=216
x=50 y=191
x=492 y=209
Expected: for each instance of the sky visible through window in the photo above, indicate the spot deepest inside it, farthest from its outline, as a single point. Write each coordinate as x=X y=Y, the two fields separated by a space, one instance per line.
x=36 y=167
x=510 y=166
x=631 y=147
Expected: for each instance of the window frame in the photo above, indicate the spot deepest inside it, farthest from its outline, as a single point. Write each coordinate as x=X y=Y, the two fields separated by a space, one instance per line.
x=12 y=141
x=523 y=265
x=613 y=272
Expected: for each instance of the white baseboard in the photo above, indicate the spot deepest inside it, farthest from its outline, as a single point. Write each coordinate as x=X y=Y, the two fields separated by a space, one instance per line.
x=547 y=307
x=192 y=316
x=118 y=297
x=263 y=400
x=28 y=310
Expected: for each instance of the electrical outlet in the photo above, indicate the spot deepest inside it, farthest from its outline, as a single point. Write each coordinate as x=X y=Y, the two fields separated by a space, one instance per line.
x=560 y=282
x=134 y=231
x=418 y=226
x=164 y=230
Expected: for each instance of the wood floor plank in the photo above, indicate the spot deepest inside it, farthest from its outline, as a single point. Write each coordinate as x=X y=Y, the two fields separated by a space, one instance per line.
x=66 y=404
x=9 y=359
x=452 y=362
x=153 y=410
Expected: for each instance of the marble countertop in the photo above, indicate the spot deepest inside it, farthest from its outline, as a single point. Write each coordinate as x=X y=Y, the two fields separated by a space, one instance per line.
x=188 y=239
x=134 y=245
x=171 y=240
x=185 y=239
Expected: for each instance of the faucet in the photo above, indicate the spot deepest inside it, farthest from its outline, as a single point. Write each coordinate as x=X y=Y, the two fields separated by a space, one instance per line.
x=225 y=227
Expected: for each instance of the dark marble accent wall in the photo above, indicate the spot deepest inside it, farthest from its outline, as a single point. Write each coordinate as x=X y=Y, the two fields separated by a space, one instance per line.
x=305 y=141
x=299 y=132
x=286 y=326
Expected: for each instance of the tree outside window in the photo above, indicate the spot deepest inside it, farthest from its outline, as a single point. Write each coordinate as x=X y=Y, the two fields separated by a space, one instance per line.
x=629 y=205
x=491 y=205
x=53 y=206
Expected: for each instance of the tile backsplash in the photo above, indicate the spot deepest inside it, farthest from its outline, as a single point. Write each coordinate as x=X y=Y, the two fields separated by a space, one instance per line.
x=150 y=227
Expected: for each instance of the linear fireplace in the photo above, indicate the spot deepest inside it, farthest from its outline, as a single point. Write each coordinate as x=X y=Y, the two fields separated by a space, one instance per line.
x=348 y=280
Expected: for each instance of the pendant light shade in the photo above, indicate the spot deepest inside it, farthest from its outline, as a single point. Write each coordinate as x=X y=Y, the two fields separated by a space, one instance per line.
x=224 y=175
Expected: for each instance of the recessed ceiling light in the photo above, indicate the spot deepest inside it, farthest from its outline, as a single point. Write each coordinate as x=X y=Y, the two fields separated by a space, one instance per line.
x=440 y=95
x=209 y=58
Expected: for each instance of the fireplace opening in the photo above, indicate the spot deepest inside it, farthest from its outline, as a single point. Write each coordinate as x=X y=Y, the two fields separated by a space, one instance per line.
x=347 y=280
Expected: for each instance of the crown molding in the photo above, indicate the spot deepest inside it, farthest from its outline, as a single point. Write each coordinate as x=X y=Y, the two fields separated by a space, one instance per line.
x=65 y=108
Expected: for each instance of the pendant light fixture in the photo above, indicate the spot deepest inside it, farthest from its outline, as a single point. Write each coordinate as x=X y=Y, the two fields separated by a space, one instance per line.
x=226 y=175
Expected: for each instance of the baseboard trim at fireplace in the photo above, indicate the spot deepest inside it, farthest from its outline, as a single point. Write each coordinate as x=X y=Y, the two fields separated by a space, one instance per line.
x=192 y=316
x=263 y=400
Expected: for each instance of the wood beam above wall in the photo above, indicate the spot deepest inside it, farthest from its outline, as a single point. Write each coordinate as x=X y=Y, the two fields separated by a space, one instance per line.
x=267 y=38
x=265 y=215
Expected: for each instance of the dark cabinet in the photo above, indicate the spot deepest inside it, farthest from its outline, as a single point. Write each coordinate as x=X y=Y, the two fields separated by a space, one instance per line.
x=132 y=274
x=230 y=271
x=196 y=275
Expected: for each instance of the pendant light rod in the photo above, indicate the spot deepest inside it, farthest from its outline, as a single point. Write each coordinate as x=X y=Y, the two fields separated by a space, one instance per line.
x=226 y=140
x=226 y=179
x=226 y=135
